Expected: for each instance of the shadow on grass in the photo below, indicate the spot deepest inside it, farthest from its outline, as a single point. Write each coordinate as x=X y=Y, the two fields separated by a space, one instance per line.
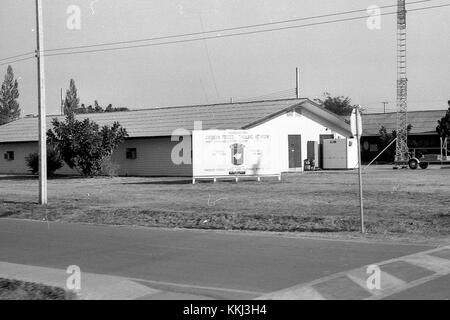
x=159 y=182
x=7 y=214
x=12 y=208
x=17 y=202
x=185 y=181
x=18 y=177
x=36 y=177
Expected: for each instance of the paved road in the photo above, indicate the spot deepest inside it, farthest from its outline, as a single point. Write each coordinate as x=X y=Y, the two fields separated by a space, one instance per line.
x=436 y=289
x=190 y=263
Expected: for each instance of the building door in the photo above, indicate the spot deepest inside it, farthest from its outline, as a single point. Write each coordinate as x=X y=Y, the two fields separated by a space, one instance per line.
x=321 y=138
x=295 y=151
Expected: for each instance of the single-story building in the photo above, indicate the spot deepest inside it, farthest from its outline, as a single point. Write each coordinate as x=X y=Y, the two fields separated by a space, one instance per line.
x=422 y=137
x=147 y=150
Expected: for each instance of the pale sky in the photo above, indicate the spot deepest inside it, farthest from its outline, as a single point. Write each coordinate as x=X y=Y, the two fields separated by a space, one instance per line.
x=343 y=58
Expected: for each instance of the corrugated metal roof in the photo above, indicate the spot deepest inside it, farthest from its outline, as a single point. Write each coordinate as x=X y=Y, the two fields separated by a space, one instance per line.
x=423 y=122
x=159 y=122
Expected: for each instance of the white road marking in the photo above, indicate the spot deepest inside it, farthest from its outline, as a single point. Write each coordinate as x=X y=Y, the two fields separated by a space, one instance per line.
x=389 y=284
x=189 y=286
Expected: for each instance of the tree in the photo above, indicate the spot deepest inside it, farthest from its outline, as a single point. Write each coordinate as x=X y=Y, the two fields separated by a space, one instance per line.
x=339 y=105
x=97 y=107
x=53 y=162
x=71 y=102
x=9 y=93
x=83 y=145
x=82 y=109
x=110 y=108
x=443 y=128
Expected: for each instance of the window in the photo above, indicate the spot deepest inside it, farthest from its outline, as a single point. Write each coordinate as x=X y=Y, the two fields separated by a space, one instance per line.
x=131 y=153
x=9 y=155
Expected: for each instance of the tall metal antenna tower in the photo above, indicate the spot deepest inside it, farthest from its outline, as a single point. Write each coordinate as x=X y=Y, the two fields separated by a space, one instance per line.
x=401 y=154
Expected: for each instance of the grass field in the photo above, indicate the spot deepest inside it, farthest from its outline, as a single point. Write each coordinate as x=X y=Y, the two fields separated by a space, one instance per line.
x=399 y=202
x=20 y=290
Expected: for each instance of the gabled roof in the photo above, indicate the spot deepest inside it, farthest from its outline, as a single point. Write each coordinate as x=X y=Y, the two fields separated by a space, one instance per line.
x=160 y=122
x=423 y=122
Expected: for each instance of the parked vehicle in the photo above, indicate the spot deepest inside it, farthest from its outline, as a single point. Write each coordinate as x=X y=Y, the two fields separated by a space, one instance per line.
x=424 y=160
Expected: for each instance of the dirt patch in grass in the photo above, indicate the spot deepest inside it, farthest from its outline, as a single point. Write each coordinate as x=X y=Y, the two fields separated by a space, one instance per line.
x=397 y=202
x=20 y=290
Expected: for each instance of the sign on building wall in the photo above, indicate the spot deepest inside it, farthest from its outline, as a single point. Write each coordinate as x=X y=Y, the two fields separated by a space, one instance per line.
x=234 y=152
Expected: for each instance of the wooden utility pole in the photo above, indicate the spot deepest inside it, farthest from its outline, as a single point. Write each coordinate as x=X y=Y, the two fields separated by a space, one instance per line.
x=42 y=112
x=297 y=83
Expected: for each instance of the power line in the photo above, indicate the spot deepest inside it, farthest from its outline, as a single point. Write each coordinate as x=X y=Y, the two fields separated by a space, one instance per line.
x=226 y=29
x=17 y=56
x=14 y=61
x=217 y=36
x=237 y=34
x=219 y=30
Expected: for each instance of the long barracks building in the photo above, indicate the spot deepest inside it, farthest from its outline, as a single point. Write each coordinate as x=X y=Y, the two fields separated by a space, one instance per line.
x=147 y=151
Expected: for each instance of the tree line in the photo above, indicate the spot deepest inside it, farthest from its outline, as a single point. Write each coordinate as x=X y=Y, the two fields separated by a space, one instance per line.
x=72 y=103
x=10 y=108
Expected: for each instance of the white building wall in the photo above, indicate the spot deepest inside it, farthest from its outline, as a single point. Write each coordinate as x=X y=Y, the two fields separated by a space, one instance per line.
x=294 y=123
x=153 y=158
x=21 y=151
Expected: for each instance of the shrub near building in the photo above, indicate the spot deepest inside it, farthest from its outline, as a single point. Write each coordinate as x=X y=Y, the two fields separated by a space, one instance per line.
x=83 y=145
x=53 y=162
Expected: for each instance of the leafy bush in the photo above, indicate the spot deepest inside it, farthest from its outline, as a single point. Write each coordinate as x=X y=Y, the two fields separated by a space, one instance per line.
x=53 y=162
x=83 y=145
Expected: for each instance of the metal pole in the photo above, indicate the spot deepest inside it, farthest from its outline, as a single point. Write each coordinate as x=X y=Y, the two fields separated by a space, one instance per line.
x=297 y=83
x=42 y=112
x=358 y=142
